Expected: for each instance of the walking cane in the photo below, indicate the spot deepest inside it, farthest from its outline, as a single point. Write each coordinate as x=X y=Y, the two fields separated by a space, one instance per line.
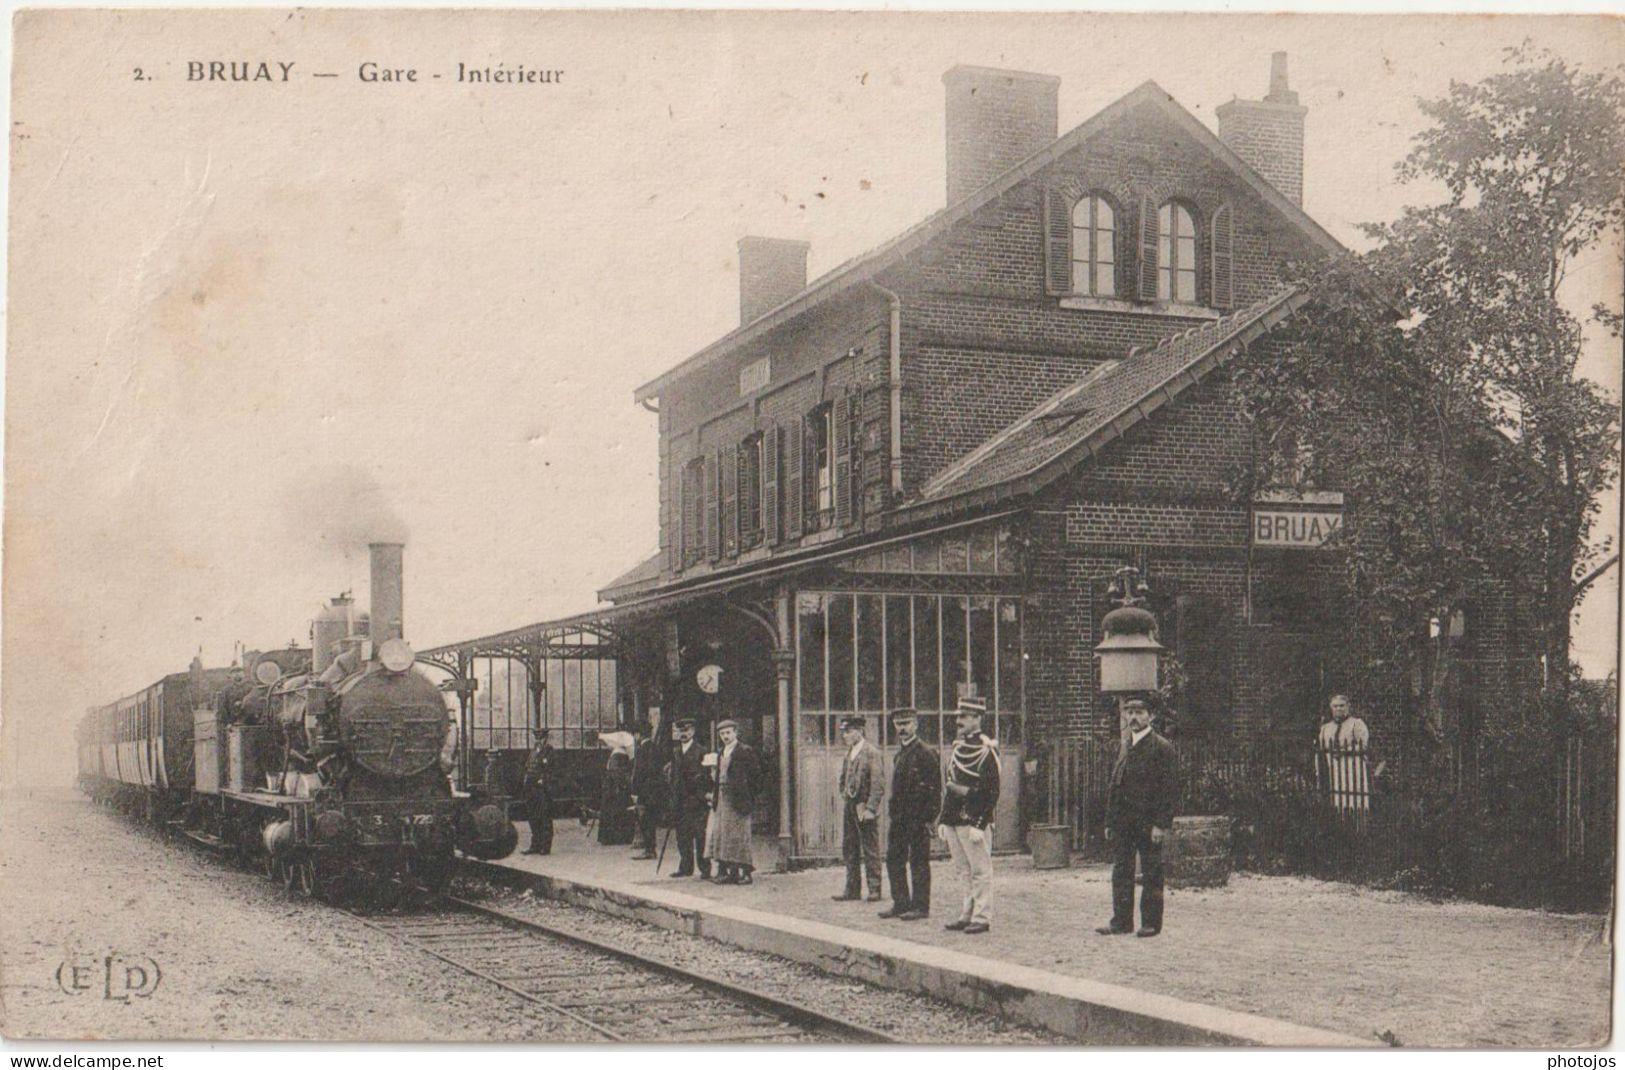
x=662 y=856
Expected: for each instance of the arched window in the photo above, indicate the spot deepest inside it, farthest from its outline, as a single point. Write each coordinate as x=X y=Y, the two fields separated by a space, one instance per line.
x=1094 y=247
x=1176 y=254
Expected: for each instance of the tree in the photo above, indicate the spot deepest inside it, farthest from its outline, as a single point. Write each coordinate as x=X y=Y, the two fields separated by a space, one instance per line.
x=1348 y=399
x=1532 y=160
x=1434 y=379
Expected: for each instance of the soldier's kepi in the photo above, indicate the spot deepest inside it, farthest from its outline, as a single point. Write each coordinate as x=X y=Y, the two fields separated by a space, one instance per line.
x=966 y=821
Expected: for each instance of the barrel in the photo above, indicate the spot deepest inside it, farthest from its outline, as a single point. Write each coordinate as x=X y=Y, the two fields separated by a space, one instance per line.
x=1050 y=847
x=1197 y=854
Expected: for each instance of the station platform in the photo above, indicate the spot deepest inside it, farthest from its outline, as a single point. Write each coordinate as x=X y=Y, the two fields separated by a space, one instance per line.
x=792 y=915
x=1271 y=960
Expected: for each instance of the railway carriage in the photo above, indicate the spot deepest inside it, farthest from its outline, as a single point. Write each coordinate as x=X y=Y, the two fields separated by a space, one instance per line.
x=136 y=753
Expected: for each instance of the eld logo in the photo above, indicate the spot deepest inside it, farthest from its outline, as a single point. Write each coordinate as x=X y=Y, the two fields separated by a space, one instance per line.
x=116 y=976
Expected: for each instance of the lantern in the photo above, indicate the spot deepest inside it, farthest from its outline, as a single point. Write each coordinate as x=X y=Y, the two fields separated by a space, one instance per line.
x=1128 y=653
x=1129 y=649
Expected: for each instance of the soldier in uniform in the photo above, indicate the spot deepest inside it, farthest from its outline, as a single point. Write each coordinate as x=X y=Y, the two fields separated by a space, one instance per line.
x=537 y=789
x=916 y=789
x=690 y=800
x=966 y=821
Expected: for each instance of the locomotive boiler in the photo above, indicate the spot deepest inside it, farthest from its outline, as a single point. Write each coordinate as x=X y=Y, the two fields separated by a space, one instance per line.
x=331 y=770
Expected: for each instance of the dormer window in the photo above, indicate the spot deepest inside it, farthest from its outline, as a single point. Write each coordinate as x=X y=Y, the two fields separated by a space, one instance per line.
x=1176 y=254
x=1094 y=247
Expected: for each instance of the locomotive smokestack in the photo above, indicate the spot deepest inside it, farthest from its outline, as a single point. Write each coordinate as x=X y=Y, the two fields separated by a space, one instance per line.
x=386 y=592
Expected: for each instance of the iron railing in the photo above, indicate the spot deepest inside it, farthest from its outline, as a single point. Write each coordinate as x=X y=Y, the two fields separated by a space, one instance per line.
x=1527 y=818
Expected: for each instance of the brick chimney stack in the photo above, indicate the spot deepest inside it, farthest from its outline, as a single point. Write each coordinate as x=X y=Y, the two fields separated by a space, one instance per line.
x=1268 y=133
x=996 y=119
x=771 y=271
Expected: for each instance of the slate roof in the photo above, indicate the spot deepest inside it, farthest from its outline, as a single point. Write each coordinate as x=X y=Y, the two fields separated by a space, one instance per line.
x=862 y=268
x=644 y=574
x=1079 y=419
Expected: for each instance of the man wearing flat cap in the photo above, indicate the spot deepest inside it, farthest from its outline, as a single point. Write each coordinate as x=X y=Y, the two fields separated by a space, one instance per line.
x=861 y=786
x=966 y=821
x=690 y=794
x=737 y=773
x=1139 y=813
x=916 y=789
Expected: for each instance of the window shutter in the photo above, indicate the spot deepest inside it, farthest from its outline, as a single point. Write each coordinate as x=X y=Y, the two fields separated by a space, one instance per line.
x=795 y=434
x=854 y=414
x=770 y=484
x=674 y=520
x=843 y=462
x=1057 y=244
x=693 y=493
x=1148 y=250
x=713 y=506
x=730 y=501
x=1224 y=287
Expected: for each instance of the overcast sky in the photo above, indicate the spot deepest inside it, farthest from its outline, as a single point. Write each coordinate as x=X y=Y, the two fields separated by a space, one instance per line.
x=254 y=325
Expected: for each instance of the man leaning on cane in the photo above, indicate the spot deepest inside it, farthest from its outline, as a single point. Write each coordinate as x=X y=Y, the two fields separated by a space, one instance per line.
x=1139 y=815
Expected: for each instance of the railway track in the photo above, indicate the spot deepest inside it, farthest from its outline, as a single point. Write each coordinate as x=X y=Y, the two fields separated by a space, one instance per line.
x=621 y=994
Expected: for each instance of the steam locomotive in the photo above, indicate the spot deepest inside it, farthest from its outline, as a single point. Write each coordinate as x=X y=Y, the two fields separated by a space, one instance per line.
x=327 y=767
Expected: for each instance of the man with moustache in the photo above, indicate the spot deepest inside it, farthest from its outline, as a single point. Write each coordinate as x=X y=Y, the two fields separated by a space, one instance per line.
x=860 y=787
x=916 y=789
x=737 y=773
x=690 y=801
x=966 y=820
x=1139 y=815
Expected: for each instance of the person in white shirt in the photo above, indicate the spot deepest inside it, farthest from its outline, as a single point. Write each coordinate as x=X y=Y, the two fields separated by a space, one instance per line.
x=861 y=787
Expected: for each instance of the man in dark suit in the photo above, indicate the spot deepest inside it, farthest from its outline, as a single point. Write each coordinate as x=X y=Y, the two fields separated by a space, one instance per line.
x=1139 y=816
x=648 y=790
x=690 y=800
x=916 y=790
x=537 y=788
x=860 y=788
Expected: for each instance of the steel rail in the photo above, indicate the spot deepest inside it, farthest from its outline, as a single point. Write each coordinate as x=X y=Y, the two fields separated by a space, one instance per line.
x=789 y=1011
x=406 y=938
x=777 y=1019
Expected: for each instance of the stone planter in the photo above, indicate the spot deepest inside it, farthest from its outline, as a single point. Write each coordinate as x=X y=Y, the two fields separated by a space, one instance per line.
x=1197 y=853
x=1050 y=846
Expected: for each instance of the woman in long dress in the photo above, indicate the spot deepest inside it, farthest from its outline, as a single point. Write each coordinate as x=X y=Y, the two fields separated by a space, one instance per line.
x=616 y=820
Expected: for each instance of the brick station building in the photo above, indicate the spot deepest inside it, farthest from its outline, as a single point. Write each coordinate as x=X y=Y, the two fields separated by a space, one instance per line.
x=917 y=474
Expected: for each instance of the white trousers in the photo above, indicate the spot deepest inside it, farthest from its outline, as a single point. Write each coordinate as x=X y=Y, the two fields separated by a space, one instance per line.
x=973 y=862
